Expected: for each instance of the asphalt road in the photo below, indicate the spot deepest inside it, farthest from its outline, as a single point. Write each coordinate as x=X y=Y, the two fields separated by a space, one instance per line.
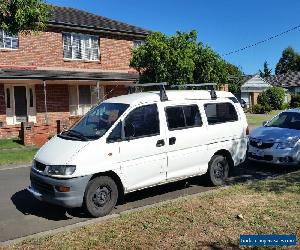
x=21 y=214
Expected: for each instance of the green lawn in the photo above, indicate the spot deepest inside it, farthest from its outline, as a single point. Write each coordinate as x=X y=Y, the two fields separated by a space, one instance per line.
x=210 y=221
x=12 y=152
x=10 y=143
x=256 y=120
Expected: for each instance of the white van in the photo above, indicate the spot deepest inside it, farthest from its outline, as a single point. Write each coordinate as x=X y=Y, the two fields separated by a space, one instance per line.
x=135 y=141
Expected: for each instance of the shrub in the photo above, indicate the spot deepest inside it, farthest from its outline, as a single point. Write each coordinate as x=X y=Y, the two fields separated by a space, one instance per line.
x=273 y=96
x=295 y=101
x=286 y=105
x=261 y=109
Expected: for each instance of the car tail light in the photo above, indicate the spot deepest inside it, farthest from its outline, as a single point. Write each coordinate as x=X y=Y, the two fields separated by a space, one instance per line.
x=247 y=130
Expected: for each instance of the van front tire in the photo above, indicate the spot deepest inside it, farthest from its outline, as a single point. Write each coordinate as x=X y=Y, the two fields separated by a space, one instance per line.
x=101 y=196
x=218 y=169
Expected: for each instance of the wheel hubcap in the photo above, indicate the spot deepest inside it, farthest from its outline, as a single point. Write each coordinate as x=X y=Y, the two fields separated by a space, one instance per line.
x=101 y=196
x=219 y=170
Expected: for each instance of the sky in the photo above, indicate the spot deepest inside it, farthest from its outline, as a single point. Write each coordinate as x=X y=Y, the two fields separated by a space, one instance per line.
x=224 y=25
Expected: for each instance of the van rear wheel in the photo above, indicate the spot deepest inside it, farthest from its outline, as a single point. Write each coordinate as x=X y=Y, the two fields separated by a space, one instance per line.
x=218 y=169
x=101 y=196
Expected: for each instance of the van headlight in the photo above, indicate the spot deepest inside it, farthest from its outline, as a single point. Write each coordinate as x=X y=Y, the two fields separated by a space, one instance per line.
x=291 y=142
x=60 y=169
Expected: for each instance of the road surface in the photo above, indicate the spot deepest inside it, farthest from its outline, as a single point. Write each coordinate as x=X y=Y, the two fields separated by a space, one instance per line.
x=21 y=214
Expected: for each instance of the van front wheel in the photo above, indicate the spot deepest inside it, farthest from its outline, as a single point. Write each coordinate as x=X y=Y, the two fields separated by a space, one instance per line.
x=218 y=169
x=101 y=196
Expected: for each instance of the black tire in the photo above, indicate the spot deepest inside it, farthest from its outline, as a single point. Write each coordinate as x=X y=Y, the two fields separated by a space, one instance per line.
x=100 y=196
x=218 y=169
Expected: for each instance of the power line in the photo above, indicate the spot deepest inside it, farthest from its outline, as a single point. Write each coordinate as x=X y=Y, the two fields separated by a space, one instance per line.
x=262 y=41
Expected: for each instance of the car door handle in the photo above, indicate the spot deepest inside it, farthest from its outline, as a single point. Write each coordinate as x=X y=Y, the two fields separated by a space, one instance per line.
x=160 y=143
x=172 y=140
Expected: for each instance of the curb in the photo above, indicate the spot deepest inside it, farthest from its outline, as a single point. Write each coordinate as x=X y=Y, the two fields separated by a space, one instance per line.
x=105 y=218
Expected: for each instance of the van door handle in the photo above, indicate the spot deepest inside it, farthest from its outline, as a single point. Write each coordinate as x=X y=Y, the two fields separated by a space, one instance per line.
x=172 y=140
x=160 y=143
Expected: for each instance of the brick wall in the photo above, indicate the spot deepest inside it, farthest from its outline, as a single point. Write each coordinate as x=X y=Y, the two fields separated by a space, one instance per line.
x=46 y=50
x=57 y=103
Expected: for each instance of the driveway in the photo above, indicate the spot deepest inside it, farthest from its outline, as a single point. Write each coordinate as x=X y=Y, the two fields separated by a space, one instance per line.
x=22 y=215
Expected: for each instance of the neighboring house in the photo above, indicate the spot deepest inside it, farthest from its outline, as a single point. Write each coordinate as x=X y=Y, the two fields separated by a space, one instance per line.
x=251 y=87
x=289 y=81
x=59 y=74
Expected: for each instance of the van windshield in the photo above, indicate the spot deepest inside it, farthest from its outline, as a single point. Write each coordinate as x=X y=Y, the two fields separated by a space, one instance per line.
x=96 y=122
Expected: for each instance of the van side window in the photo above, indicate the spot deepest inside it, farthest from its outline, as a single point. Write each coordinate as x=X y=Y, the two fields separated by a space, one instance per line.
x=179 y=117
x=116 y=134
x=142 y=121
x=220 y=113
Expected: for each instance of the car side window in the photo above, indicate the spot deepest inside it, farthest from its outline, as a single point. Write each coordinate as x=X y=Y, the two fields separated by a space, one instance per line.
x=220 y=113
x=142 y=121
x=179 y=117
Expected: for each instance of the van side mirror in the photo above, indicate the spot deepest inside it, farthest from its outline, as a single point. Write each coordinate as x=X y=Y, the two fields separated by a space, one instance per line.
x=264 y=123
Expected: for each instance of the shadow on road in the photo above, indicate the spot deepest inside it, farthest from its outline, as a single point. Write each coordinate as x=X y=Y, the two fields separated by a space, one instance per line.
x=27 y=204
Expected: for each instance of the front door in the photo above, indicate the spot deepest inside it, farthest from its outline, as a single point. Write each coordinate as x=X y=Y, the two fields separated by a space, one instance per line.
x=143 y=152
x=20 y=103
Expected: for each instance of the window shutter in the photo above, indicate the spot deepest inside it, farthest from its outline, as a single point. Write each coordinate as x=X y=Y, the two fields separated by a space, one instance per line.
x=94 y=48
x=76 y=46
x=67 y=46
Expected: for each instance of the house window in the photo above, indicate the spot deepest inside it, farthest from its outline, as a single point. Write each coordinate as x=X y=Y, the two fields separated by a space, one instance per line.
x=8 y=98
x=30 y=98
x=138 y=43
x=81 y=46
x=81 y=99
x=8 y=41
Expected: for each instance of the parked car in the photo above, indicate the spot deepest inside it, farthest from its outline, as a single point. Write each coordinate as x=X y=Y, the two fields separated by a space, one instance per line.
x=135 y=141
x=277 y=141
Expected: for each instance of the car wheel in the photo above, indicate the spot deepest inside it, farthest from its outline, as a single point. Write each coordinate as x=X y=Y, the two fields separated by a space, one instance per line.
x=218 y=169
x=101 y=196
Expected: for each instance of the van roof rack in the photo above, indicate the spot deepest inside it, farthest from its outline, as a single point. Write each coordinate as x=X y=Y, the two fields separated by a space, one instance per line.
x=162 y=88
x=207 y=86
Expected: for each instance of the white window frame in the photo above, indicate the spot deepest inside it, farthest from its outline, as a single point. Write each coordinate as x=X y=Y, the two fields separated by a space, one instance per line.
x=11 y=37
x=77 y=106
x=11 y=118
x=83 y=47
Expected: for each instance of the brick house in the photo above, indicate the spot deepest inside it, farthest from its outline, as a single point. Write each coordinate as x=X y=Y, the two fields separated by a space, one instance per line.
x=59 y=74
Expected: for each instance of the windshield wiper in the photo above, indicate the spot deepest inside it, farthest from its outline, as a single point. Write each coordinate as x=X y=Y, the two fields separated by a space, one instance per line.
x=75 y=133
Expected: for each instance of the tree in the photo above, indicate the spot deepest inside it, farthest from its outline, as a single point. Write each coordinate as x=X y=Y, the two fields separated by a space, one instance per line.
x=23 y=15
x=266 y=72
x=178 y=59
x=289 y=61
x=209 y=66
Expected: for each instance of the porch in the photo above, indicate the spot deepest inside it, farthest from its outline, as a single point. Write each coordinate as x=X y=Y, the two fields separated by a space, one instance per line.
x=45 y=98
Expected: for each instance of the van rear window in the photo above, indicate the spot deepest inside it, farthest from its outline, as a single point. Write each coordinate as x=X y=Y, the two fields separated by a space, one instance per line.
x=180 y=117
x=220 y=113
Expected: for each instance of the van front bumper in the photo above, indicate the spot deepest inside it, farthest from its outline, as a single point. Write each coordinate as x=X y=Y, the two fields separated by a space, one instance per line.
x=44 y=189
x=285 y=157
